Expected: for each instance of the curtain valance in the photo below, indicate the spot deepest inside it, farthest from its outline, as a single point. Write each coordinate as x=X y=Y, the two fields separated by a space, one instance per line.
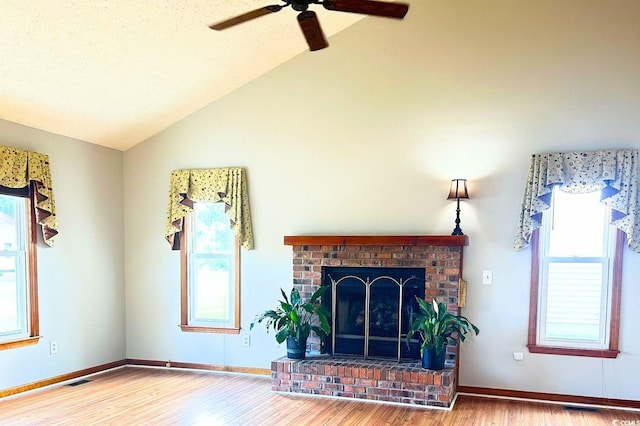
x=226 y=185
x=27 y=169
x=613 y=172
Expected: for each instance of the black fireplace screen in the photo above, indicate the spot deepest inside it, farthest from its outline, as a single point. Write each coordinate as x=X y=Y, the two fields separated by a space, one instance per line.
x=371 y=309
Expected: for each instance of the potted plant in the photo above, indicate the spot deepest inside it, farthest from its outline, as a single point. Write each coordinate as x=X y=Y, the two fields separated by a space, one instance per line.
x=436 y=326
x=293 y=320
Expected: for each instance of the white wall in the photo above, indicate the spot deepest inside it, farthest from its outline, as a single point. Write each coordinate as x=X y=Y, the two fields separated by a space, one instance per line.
x=363 y=138
x=81 y=279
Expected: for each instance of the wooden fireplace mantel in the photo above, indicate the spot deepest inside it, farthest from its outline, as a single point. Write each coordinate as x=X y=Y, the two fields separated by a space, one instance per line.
x=386 y=240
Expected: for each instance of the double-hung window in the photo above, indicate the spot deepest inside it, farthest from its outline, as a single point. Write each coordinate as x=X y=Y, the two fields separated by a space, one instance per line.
x=210 y=271
x=576 y=272
x=18 y=277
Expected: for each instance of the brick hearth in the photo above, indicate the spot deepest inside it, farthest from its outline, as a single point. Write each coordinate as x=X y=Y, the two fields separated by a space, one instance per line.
x=374 y=380
x=389 y=381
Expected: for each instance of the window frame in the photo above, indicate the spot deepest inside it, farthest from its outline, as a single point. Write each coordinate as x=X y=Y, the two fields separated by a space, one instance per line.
x=614 y=312
x=31 y=275
x=184 y=286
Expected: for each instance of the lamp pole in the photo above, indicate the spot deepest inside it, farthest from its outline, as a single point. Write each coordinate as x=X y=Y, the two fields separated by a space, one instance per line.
x=457 y=230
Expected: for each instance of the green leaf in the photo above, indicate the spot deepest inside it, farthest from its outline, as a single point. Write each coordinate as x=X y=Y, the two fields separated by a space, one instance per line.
x=317 y=294
x=284 y=296
x=295 y=297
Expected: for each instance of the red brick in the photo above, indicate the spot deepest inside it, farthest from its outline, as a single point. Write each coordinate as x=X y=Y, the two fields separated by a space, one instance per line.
x=422 y=378
x=344 y=394
x=401 y=393
x=388 y=384
x=413 y=386
x=311 y=385
x=354 y=389
x=420 y=396
x=366 y=382
x=378 y=391
x=333 y=386
x=382 y=255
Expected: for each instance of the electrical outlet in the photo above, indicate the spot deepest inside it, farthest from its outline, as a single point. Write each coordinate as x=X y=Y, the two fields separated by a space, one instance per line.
x=246 y=340
x=168 y=364
x=518 y=356
x=53 y=347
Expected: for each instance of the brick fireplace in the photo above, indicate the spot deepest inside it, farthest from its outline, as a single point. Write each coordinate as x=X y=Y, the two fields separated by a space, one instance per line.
x=379 y=380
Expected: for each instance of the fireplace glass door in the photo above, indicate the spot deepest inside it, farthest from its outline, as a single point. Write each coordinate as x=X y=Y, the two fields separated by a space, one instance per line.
x=371 y=310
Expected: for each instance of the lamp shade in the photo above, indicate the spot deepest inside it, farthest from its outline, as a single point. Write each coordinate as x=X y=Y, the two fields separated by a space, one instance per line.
x=458 y=189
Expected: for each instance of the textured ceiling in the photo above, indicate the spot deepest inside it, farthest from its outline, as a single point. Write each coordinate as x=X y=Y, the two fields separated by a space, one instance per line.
x=115 y=72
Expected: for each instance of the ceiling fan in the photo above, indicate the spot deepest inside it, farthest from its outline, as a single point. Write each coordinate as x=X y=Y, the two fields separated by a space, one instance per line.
x=308 y=20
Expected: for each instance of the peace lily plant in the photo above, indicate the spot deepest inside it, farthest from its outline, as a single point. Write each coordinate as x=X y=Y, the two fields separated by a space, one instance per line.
x=294 y=319
x=436 y=326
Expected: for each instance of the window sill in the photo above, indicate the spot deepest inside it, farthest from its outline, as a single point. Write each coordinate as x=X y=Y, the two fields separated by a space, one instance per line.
x=197 y=329
x=594 y=353
x=19 y=343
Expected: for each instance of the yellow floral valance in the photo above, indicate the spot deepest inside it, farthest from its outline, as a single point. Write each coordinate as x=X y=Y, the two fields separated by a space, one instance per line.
x=227 y=185
x=22 y=169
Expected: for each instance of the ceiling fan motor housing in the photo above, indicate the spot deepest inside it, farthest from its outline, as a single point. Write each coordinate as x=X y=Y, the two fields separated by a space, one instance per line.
x=300 y=6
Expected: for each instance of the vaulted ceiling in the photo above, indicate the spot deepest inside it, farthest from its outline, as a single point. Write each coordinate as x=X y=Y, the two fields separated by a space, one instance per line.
x=115 y=72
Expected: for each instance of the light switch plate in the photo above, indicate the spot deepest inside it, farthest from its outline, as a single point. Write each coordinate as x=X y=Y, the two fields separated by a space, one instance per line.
x=487 y=277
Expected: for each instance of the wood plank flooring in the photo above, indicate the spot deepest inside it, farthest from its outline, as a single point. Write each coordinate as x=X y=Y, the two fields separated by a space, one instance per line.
x=144 y=396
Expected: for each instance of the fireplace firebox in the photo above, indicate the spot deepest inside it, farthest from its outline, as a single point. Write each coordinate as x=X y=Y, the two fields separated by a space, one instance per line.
x=371 y=309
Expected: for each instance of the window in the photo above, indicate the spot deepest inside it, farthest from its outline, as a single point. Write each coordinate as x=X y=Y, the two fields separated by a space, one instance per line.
x=18 y=276
x=210 y=265
x=576 y=272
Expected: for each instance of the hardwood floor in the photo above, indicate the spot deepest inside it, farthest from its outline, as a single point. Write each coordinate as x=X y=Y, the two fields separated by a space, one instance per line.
x=146 y=396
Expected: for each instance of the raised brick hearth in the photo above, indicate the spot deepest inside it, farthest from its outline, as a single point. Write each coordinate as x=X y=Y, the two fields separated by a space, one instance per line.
x=389 y=381
x=373 y=380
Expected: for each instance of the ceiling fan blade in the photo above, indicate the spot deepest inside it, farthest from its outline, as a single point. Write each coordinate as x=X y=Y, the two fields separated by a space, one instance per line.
x=246 y=17
x=368 y=7
x=310 y=27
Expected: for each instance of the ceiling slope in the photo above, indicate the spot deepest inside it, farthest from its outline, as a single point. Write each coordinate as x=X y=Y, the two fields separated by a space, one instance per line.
x=116 y=72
